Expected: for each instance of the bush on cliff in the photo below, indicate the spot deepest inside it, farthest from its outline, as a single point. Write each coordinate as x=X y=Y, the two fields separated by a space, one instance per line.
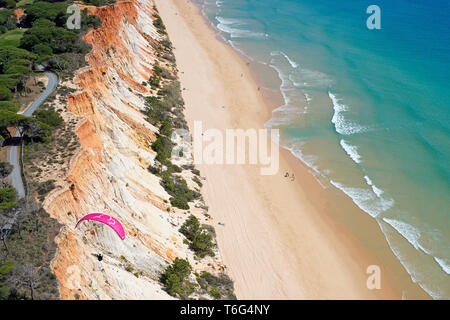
x=200 y=240
x=166 y=44
x=166 y=129
x=190 y=227
x=154 y=82
x=217 y=286
x=168 y=105
x=174 y=279
x=156 y=111
x=167 y=75
x=157 y=70
x=163 y=147
x=178 y=189
x=159 y=25
x=203 y=245
x=179 y=203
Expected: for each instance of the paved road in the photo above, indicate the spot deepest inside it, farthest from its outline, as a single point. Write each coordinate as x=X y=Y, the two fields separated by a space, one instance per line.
x=12 y=153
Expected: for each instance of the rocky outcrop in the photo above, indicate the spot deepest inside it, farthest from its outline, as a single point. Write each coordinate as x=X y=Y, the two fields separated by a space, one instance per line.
x=109 y=173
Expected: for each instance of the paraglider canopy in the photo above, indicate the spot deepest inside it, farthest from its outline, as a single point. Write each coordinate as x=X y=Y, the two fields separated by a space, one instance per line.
x=108 y=220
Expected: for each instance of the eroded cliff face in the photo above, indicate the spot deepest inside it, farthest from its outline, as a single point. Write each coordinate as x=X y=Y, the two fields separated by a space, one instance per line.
x=109 y=173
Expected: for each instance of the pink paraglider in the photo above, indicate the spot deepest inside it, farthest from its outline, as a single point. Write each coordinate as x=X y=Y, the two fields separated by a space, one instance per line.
x=110 y=221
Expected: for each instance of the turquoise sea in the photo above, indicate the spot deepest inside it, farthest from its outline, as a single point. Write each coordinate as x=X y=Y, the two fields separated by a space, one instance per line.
x=367 y=110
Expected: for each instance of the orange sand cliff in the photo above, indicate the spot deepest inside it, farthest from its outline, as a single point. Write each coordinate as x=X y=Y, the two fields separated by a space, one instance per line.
x=109 y=174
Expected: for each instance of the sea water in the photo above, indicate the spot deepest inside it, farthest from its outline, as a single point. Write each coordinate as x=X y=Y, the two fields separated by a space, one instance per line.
x=367 y=110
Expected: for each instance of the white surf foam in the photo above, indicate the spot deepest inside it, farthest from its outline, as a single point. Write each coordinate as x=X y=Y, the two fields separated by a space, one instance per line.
x=342 y=125
x=236 y=28
x=411 y=268
x=351 y=150
x=291 y=61
x=289 y=111
x=376 y=190
x=366 y=199
x=406 y=230
x=413 y=235
x=444 y=264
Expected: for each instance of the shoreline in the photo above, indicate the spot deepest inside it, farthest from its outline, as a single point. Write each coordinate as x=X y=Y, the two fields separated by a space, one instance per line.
x=287 y=246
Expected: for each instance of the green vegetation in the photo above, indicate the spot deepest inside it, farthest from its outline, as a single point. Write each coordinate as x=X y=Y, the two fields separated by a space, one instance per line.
x=30 y=248
x=5 y=94
x=42 y=38
x=5 y=268
x=11 y=38
x=215 y=293
x=30 y=128
x=99 y=3
x=178 y=189
x=163 y=147
x=7 y=193
x=191 y=227
x=174 y=279
x=23 y=3
x=200 y=239
x=10 y=4
x=154 y=82
x=218 y=287
x=202 y=244
x=7 y=20
x=15 y=68
x=196 y=179
x=5 y=169
x=157 y=70
x=165 y=112
x=48 y=36
x=49 y=117
x=177 y=284
x=129 y=268
x=9 y=106
x=44 y=188
x=159 y=25
x=7 y=198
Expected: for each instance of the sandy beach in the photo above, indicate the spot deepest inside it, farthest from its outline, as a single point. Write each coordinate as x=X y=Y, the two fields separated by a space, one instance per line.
x=276 y=241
